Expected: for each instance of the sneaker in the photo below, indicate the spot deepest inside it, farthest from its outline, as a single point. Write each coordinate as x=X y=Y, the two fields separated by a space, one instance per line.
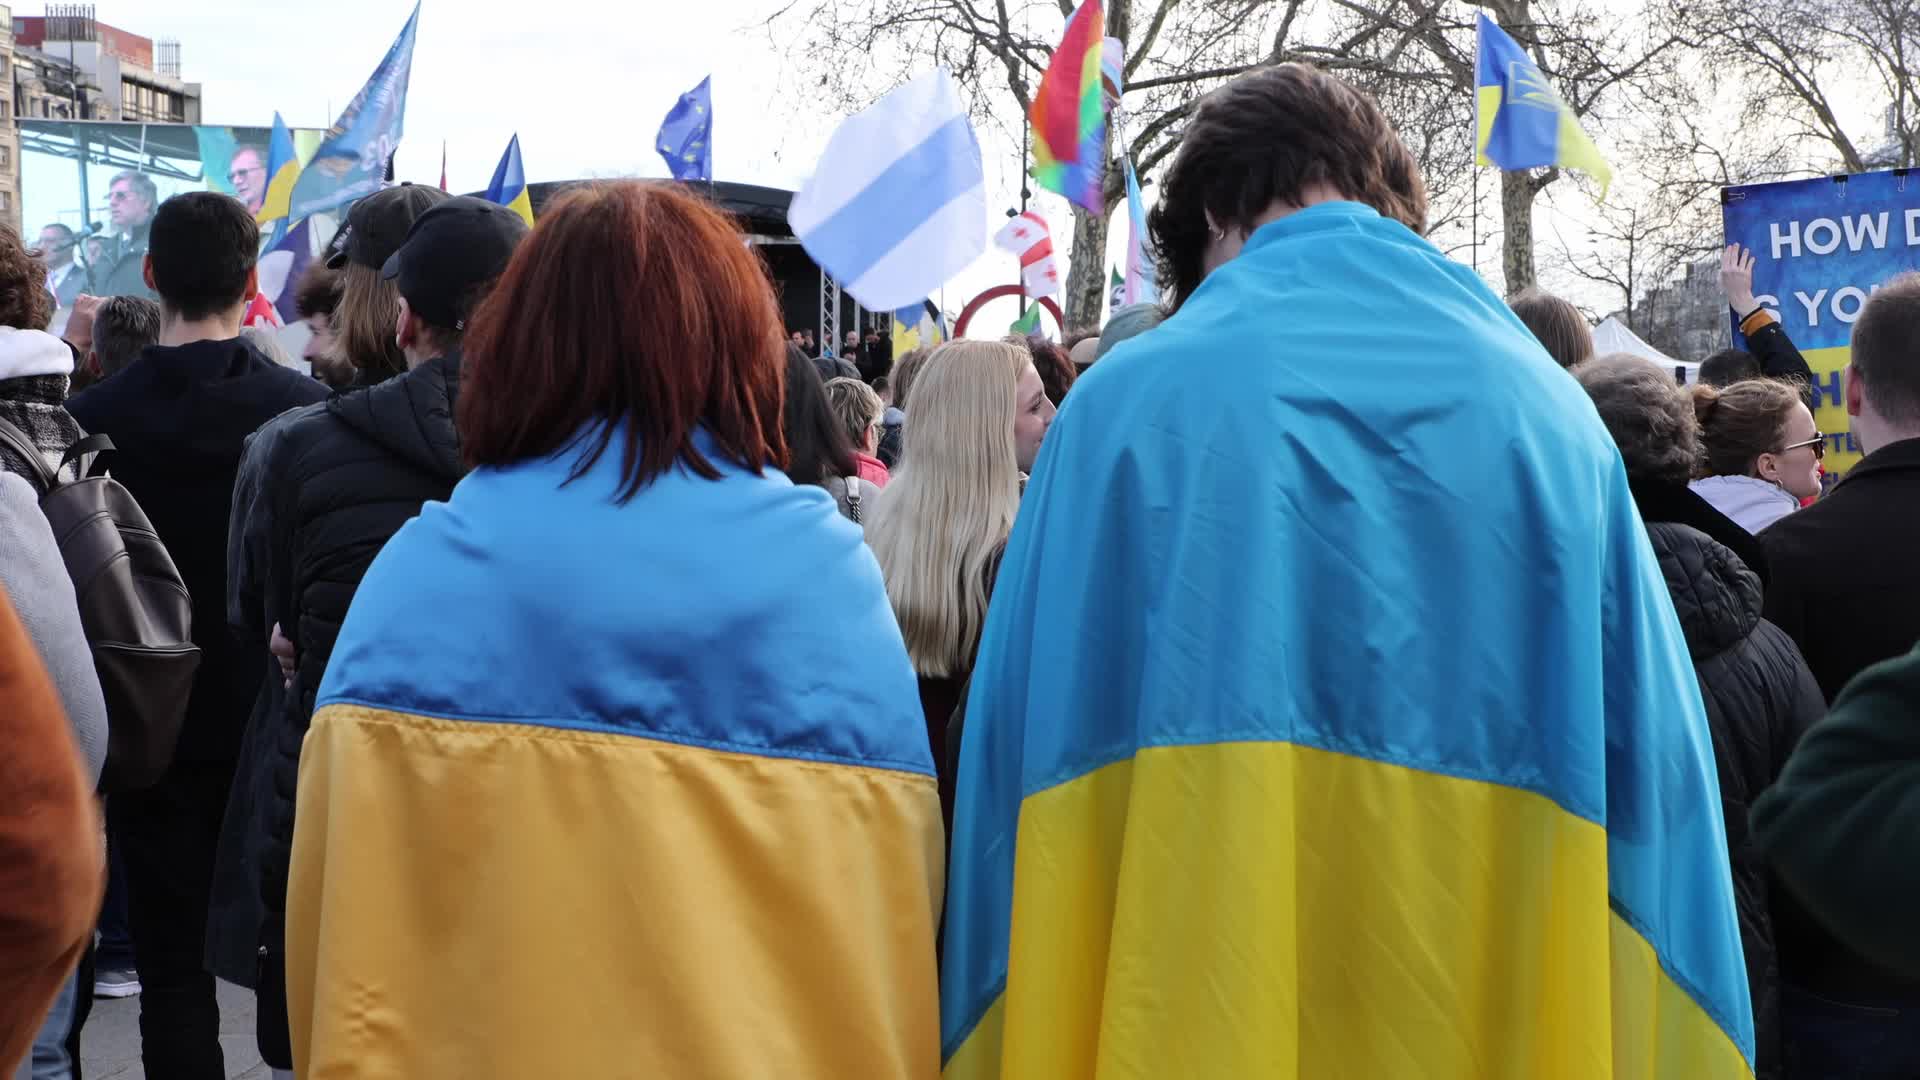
x=116 y=984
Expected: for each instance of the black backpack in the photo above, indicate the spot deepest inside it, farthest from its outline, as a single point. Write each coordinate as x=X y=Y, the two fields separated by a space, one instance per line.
x=134 y=610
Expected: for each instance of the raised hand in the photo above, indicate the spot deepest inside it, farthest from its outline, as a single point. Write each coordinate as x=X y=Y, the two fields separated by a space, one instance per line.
x=80 y=322
x=1736 y=279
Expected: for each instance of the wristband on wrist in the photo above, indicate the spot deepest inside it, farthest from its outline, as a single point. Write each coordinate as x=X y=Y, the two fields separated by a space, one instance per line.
x=1757 y=320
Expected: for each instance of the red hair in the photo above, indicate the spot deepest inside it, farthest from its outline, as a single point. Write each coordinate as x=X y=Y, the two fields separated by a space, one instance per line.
x=634 y=304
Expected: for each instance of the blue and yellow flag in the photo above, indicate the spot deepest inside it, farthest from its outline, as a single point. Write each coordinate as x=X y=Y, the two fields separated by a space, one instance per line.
x=283 y=168
x=509 y=185
x=1355 y=735
x=355 y=156
x=540 y=813
x=917 y=326
x=1522 y=122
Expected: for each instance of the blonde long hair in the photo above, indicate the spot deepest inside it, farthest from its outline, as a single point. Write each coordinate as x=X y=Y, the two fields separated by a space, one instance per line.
x=949 y=508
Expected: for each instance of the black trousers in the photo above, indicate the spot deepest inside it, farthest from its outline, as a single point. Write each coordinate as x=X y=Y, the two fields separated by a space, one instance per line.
x=169 y=834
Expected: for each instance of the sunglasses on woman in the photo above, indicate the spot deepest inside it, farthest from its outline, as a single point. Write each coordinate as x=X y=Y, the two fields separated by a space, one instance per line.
x=1818 y=442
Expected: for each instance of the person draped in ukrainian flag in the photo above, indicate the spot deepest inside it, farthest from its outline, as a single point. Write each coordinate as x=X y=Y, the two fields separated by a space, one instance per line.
x=618 y=766
x=1355 y=735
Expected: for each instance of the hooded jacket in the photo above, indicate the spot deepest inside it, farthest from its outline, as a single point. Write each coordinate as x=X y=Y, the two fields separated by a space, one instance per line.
x=343 y=480
x=1748 y=500
x=1760 y=698
x=34 y=369
x=179 y=418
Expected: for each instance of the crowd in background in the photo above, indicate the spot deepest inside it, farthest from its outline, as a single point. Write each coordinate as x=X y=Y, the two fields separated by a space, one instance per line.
x=595 y=677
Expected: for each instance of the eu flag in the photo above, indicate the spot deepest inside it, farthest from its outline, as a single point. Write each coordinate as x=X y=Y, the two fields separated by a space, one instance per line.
x=1523 y=124
x=686 y=135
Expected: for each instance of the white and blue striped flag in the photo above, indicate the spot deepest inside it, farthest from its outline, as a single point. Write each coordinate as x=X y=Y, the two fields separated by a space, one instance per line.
x=898 y=204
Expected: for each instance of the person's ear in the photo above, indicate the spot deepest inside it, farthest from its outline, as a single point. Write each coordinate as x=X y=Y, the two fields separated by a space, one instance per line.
x=1767 y=467
x=1856 y=396
x=253 y=284
x=403 y=331
x=146 y=270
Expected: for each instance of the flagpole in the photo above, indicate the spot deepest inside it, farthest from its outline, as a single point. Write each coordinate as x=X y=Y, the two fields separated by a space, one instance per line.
x=1475 y=167
x=1026 y=138
x=1473 y=159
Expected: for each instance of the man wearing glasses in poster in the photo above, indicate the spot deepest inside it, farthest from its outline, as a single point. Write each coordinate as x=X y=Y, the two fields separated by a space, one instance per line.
x=248 y=175
x=131 y=199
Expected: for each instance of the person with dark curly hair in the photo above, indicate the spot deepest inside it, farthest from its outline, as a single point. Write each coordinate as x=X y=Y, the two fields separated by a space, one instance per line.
x=35 y=366
x=1330 y=716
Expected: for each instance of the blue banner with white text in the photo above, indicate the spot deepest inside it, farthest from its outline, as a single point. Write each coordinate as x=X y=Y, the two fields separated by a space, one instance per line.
x=1821 y=247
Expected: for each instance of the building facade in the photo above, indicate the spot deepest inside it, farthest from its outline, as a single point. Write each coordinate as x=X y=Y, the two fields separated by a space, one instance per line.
x=67 y=65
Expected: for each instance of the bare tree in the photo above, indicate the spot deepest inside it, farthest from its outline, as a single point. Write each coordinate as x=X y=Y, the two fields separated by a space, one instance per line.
x=1626 y=251
x=1601 y=62
x=1798 y=62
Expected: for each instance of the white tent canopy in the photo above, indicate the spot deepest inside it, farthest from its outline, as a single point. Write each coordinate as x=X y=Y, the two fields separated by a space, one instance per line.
x=1613 y=336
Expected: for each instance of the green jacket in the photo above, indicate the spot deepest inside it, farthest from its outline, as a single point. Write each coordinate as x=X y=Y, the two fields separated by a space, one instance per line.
x=1842 y=824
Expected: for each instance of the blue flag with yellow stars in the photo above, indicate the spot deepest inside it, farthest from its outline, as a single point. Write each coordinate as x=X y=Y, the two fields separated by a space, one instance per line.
x=686 y=135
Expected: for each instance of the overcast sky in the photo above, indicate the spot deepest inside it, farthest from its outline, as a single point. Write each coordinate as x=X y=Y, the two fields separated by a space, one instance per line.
x=585 y=84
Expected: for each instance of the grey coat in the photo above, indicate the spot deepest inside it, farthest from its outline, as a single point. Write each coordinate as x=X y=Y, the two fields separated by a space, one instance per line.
x=36 y=579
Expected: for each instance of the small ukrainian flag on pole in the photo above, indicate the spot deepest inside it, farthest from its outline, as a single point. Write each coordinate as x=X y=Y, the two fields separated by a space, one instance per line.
x=509 y=186
x=1523 y=124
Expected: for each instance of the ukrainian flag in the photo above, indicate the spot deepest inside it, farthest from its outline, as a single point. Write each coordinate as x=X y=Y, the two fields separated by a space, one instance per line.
x=1356 y=736
x=915 y=327
x=587 y=797
x=283 y=168
x=1522 y=122
x=509 y=186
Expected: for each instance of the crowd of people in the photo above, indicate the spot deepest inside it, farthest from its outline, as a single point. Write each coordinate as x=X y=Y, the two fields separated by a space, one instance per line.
x=1330 y=670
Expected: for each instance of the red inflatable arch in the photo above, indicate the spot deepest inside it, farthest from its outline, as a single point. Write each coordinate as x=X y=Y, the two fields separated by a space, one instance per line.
x=995 y=293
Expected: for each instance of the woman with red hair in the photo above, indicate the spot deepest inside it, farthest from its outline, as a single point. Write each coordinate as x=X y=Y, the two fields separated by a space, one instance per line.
x=617 y=767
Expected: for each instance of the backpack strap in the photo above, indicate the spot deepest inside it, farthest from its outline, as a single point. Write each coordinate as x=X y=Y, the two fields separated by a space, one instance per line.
x=92 y=444
x=16 y=440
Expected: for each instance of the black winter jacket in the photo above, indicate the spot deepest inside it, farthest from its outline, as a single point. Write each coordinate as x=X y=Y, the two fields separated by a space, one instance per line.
x=178 y=418
x=1760 y=698
x=345 y=479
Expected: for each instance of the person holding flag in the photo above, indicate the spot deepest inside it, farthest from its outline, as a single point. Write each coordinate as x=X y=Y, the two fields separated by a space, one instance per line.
x=1356 y=735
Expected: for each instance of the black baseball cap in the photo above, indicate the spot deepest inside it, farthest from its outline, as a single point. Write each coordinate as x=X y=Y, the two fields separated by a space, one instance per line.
x=451 y=251
x=377 y=224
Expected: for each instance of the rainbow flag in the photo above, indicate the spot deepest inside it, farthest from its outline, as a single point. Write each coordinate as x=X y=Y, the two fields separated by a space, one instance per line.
x=509 y=185
x=283 y=168
x=1069 y=114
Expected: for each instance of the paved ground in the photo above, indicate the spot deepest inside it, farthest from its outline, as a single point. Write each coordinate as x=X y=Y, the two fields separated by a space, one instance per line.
x=110 y=1046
